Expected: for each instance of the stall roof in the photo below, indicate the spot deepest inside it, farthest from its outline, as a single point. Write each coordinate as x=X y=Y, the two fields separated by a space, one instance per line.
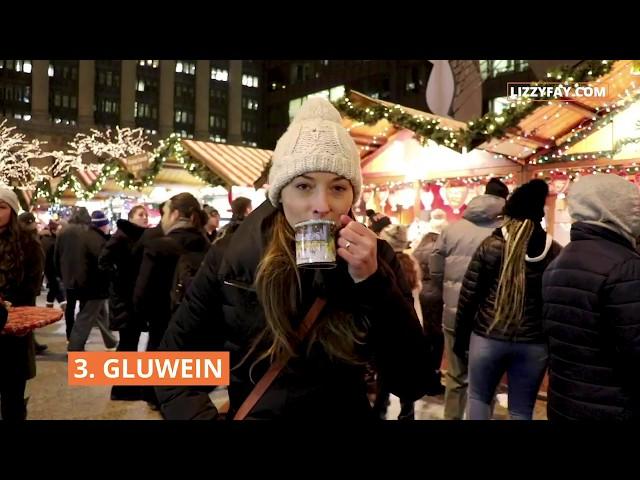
x=369 y=138
x=549 y=126
x=240 y=166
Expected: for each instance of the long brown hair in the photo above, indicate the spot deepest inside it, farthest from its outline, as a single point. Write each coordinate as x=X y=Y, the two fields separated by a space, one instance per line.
x=411 y=270
x=189 y=208
x=279 y=289
x=15 y=240
x=509 y=304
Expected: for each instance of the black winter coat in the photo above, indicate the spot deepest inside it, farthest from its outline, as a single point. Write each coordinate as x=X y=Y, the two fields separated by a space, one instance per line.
x=17 y=354
x=151 y=296
x=222 y=313
x=476 y=306
x=77 y=250
x=48 y=242
x=118 y=262
x=591 y=312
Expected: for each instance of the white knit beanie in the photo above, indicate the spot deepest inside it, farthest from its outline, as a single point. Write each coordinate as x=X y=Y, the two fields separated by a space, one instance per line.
x=9 y=197
x=315 y=141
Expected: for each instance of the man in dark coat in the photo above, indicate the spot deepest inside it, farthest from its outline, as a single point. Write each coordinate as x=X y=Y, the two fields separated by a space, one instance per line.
x=591 y=312
x=91 y=285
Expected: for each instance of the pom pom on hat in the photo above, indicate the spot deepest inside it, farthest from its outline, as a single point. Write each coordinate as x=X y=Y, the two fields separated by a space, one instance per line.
x=527 y=201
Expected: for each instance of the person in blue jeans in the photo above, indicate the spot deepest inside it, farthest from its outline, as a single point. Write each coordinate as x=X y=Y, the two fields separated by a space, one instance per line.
x=499 y=317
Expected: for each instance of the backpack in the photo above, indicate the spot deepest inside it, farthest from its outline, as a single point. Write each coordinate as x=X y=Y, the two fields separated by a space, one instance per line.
x=186 y=269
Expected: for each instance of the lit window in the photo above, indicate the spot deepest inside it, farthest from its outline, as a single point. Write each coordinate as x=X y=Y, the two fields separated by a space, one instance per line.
x=18 y=65
x=255 y=82
x=149 y=63
x=27 y=117
x=141 y=63
x=177 y=116
x=58 y=120
x=17 y=116
x=156 y=63
x=179 y=67
x=140 y=85
x=51 y=71
x=26 y=67
x=219 y=75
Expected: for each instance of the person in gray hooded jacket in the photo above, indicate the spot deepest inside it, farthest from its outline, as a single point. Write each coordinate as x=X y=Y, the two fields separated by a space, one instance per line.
x=591 y=309
x=448 y=264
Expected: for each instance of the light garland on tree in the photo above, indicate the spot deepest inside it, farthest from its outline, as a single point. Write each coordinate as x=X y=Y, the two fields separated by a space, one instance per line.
x=15 y=153
x=113 y=168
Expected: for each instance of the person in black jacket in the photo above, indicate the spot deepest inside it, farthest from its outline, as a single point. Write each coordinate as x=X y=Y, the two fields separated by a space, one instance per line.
x=183 y=231
x=213 y=222
x=591 y=295
x=21 y=269
x=250 y=297
x=91 y=285
x=48 y=236
x=240 y=208
x=72 y=272
x=118 y=261
x=499 y=317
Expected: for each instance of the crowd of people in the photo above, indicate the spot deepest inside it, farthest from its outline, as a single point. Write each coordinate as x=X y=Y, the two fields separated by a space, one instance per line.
x=492 y=294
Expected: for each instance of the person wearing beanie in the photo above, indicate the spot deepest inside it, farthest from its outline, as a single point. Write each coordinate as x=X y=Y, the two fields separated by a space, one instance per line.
x=27 y=221
x=252 y=295
x=89 y=284
x=499 y=318
x=495 y=187
x=21 y=269
x=591 y=295
x=448 y=263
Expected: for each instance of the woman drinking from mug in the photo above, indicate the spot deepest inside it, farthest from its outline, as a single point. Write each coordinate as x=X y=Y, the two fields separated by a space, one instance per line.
x=251 y=297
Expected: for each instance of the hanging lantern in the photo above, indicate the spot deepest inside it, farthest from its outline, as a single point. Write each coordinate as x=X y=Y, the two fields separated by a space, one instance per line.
x=393 y=199
x=427 y=197
x=406 y=196
x=454 y=196
x=383 y=196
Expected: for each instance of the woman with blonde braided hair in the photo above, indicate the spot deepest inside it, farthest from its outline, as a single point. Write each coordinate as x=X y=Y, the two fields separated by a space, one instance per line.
x=499 y=318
